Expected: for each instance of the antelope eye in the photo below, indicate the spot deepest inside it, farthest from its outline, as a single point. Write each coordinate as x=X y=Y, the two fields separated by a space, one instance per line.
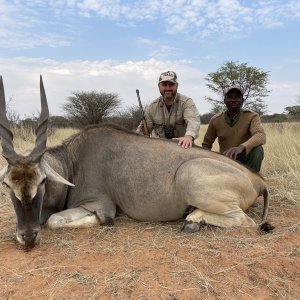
x=43 y=181
x=5 y=184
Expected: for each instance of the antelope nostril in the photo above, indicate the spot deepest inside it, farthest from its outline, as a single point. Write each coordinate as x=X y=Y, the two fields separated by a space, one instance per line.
x=29 y=238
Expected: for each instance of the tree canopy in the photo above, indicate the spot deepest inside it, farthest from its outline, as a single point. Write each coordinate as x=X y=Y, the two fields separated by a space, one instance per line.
x=128 y=118
x=91 y=107
x=252 y=80
x=293 y=111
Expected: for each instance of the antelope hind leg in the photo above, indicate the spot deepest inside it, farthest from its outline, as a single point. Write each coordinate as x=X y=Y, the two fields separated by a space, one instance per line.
x=198 y=217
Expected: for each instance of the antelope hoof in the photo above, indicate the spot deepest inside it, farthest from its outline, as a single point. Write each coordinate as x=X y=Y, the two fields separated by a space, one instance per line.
x=190 y=227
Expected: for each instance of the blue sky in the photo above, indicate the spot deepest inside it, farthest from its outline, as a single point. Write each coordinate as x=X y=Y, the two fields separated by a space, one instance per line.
x=118 y=46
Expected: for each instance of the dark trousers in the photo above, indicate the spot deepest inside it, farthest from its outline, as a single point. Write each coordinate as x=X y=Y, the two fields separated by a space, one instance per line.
x=253 y=159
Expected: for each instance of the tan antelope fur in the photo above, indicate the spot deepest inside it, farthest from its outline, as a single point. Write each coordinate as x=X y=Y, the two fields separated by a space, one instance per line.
x=82 y=181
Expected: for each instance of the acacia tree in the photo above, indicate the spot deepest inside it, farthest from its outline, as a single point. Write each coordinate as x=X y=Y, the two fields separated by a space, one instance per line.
x=293 y=111
x=128 y=118
x=90 y=107
x=252 y=80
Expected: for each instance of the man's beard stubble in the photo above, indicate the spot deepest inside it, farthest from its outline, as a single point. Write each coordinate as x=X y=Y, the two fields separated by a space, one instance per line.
x=169 y=95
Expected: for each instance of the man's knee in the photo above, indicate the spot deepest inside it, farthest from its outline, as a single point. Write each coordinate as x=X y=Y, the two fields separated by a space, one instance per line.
x=254 y=158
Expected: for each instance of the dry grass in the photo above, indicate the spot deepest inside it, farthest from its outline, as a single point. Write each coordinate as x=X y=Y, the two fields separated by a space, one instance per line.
x=145 y=261
x=24 y=137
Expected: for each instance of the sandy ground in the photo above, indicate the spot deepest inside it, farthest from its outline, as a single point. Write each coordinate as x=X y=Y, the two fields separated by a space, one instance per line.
x=134 y=260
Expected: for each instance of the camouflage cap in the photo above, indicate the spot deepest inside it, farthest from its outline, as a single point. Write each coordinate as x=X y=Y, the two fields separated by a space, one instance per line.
x=233 y=87
x=169 y=76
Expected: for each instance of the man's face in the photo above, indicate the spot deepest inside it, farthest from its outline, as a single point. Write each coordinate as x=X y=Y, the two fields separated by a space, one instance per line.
x=234 y=101
x=168 y=89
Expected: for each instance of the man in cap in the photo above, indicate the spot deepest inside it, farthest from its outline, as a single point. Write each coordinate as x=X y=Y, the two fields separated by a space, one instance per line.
x=172 y=115
x=239 y=131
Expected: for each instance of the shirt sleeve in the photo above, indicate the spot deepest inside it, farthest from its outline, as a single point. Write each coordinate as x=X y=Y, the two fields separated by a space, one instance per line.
x=192 y=118
x=149 y=119
x=210 y=136
x=258 y=136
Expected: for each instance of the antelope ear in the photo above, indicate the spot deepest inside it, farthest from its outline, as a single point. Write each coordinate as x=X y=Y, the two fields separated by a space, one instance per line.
x=3 y=173
x=54 y=176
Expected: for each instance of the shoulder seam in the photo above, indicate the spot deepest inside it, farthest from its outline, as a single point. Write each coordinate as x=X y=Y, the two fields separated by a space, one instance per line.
x=216 y=115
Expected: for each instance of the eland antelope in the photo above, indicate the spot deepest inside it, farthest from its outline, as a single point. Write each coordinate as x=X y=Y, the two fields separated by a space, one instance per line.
x=82 y=181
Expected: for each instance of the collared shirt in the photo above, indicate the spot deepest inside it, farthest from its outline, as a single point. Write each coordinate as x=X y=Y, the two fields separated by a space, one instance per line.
x=232 y=121
x=183 y=114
